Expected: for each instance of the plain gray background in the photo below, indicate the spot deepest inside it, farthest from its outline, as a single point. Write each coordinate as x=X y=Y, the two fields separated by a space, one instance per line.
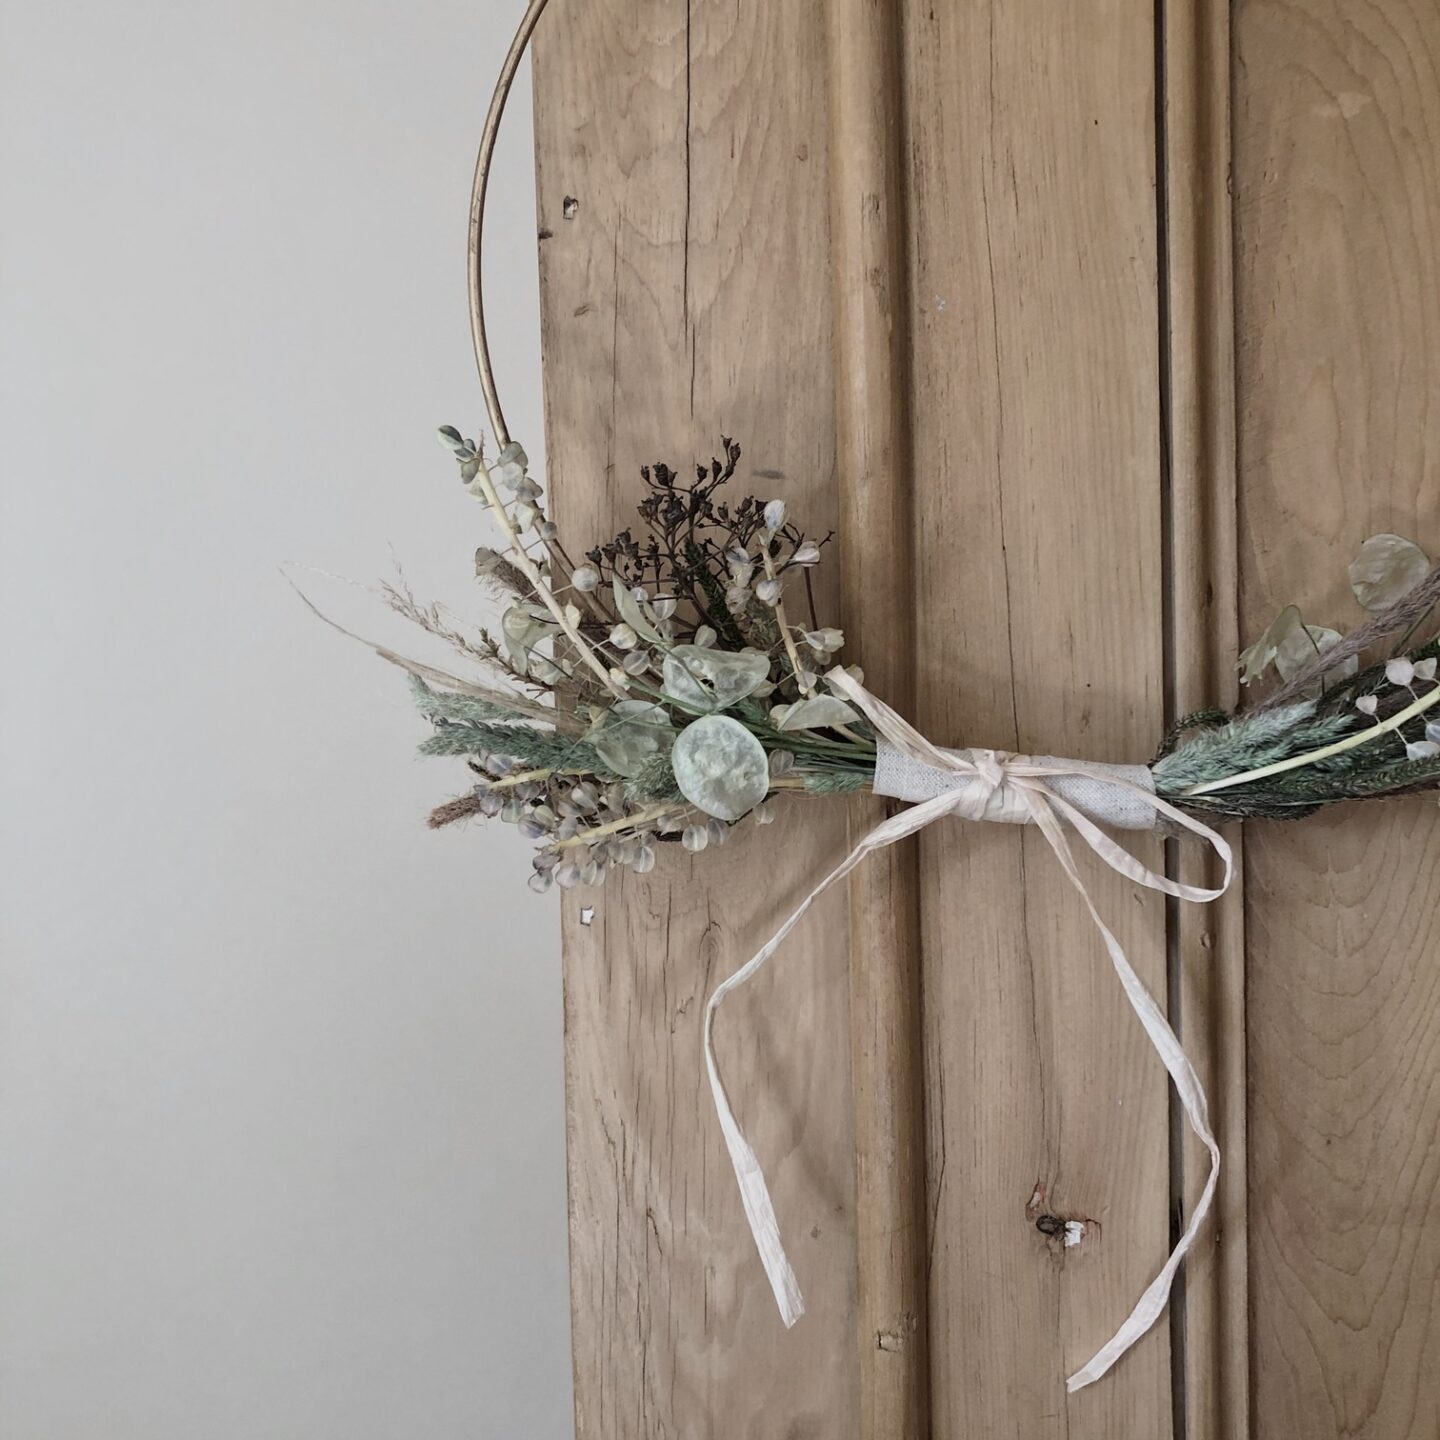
x=281 y=1111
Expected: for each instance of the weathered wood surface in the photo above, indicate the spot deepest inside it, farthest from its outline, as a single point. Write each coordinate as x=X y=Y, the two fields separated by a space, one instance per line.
x=691 y=144
x=1038 y=445
x=1337 y=192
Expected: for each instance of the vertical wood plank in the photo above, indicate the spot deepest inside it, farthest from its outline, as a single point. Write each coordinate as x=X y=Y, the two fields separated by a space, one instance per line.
x=682 y=180
x=871 y=306
x=1039 y=544
x=1337 y=155
x=1207 y=943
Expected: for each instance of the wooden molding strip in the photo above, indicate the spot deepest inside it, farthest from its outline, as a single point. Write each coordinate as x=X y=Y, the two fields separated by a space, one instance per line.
x=877 y=564
x=1207 y=943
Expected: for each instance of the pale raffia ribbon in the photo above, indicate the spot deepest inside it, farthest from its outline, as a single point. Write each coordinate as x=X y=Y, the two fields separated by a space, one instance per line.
x=1020 y=789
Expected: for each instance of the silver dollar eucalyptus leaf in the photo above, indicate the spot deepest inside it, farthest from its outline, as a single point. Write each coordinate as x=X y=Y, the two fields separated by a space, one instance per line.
x=1387 y=567
x=629 y=734
x=703 y=679
x=816 y=714
x=721 y=767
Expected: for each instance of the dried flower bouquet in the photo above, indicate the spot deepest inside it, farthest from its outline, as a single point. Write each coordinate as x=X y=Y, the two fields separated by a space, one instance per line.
x=677 y=695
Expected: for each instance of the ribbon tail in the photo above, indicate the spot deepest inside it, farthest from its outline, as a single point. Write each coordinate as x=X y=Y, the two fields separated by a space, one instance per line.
x=754 y=1193
x=1192 y=1097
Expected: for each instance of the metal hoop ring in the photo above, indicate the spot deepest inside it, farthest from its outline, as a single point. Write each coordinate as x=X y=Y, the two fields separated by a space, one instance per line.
x=478 y=193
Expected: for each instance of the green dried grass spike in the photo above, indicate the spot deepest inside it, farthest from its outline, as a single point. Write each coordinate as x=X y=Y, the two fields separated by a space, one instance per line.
x=837 y=782
x=654 y=784
x=1248 y=742
x=535 y=749
x=466 y=709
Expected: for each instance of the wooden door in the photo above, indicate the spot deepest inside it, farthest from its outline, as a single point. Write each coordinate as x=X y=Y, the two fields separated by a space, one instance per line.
x=967 y=279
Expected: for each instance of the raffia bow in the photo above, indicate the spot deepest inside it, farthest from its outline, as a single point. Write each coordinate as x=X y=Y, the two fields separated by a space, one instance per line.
x=995 y=786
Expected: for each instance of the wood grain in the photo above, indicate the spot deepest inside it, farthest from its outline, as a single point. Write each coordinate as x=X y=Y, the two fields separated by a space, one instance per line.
x=1039 y=544
x=690 y=141
x=874 y=469
x=1337 y=176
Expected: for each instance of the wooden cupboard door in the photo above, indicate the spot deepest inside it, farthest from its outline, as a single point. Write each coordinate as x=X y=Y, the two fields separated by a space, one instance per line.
x=1337 y=208
x=968 y=279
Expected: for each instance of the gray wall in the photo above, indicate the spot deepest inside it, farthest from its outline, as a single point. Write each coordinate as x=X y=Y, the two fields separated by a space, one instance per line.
x=281 y=1125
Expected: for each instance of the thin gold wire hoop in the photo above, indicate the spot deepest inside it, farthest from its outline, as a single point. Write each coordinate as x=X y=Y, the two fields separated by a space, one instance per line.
x=478 y=194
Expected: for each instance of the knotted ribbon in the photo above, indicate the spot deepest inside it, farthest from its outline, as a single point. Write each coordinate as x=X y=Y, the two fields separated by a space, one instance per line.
x=993 y=785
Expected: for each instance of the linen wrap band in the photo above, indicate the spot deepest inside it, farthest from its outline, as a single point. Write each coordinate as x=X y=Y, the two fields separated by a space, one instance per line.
x=901 y=777
x=1061 y=797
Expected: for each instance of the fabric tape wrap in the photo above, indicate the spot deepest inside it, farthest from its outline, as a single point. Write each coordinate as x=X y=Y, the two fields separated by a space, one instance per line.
x=900 y=777
x=1064 y=798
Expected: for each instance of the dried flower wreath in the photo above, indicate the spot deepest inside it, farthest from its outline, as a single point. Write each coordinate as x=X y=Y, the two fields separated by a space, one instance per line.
x=677 y=680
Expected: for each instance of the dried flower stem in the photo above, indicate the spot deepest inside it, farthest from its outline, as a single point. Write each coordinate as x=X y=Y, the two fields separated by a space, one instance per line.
x=802 y=782
x=508 y=782
x=453 y=810
x=785 y=635
x=807 y=690
x=531 y=572
x=630 y=822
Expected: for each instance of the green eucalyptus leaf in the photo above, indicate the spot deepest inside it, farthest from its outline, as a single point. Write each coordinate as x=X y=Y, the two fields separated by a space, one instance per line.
x=630 y=611
x=816 y=714
x=720 y=767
